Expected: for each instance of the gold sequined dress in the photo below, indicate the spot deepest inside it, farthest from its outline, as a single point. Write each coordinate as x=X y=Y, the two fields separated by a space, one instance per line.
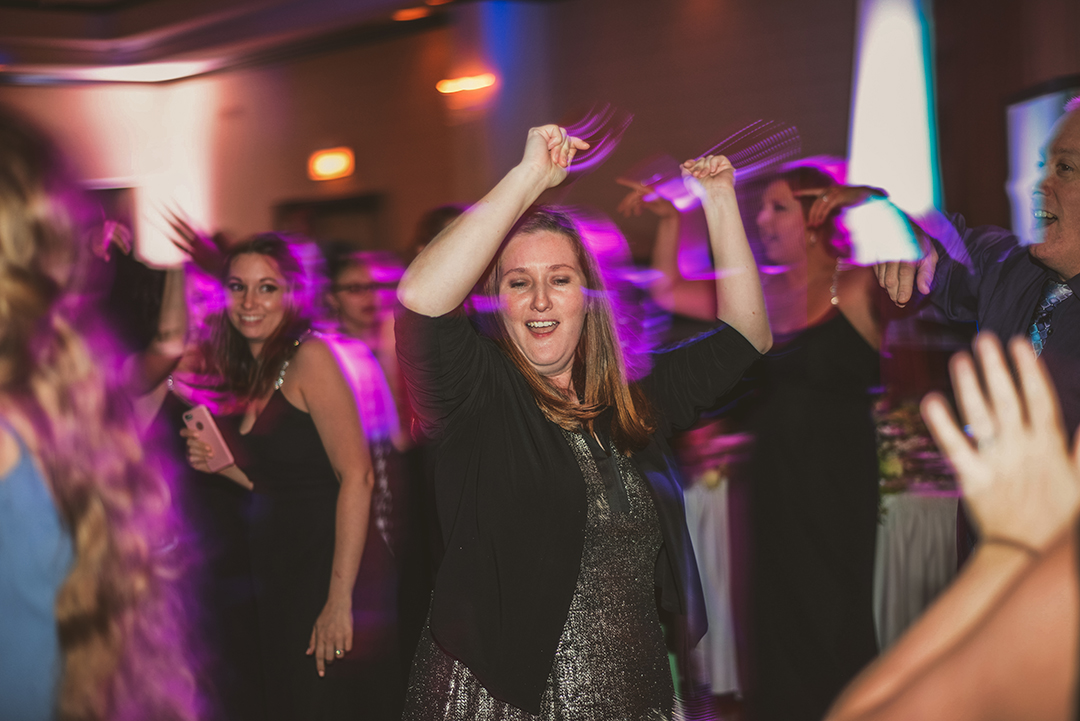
x=611 y=663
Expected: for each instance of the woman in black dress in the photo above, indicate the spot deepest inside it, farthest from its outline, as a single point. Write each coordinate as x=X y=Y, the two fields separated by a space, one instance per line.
x=812 y=480
x=813 y=471
x=561 y=518
x=300 y=447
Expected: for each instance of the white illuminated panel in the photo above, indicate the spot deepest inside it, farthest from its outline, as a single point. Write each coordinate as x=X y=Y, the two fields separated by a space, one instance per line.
x=893 y=137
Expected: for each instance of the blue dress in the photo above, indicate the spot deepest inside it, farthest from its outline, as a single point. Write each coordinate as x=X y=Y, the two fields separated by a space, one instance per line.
x=35 y=557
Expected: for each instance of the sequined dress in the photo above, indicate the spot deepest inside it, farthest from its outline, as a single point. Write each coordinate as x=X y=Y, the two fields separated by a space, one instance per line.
x=611 y=663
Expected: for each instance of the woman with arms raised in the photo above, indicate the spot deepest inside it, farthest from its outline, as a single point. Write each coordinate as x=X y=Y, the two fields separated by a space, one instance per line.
x=301 y=448
x=554 y=482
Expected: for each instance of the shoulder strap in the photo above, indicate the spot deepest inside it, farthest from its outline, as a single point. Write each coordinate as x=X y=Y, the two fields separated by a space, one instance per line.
x=281 y=374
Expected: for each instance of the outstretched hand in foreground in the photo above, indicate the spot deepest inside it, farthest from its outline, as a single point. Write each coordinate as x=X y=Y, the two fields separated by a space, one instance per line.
x=1019 y=480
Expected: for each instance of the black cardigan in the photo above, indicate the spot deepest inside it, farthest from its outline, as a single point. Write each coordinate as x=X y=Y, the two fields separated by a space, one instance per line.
x=511 y=498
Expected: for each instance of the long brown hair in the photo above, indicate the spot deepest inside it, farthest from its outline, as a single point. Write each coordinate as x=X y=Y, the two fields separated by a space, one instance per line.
x=599 y=370
x=244 y=375
x=117 y=612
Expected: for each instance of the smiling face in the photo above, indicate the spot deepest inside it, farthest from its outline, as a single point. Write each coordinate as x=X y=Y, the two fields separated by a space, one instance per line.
x=781 y=225
x=1057 y=201
x=256 y=298
x=542 y=301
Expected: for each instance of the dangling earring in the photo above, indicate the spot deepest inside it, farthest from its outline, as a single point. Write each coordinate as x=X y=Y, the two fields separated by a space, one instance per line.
x=813 y=238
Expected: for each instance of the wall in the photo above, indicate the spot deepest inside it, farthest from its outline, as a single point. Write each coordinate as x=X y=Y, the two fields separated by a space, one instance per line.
x=987 y=51
x=691 y=70
x=226 y=147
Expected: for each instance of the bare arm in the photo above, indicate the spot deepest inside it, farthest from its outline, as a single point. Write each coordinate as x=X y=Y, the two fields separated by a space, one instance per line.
x=898 y=278
x=1018 y=662
x=158 y=360
x=739 y=299
x=1023 y=490
x=316 y=384
x=671 y=291
x=446 y=270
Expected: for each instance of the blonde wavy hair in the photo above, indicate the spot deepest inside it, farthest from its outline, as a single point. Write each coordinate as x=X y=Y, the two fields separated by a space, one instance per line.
x=117 y=612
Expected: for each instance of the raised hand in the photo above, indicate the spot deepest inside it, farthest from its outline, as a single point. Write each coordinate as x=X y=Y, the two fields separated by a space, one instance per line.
x=205 y=251
x=835 y=199
x=111 y=234
x=634 y=201
x=549 y=150
x=711 y=173
x=1018 y=478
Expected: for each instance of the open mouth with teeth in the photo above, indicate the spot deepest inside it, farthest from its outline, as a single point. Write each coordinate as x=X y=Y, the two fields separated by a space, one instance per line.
x=541 y=327
x=1043 y=218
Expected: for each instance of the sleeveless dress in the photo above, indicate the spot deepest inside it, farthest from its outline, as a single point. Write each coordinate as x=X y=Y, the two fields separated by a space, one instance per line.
x=814 y=497
x=611 y=662
x=36 y=555
x=293 y=521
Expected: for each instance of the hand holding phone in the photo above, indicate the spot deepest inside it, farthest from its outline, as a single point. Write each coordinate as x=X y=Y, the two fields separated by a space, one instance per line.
x=199 y=420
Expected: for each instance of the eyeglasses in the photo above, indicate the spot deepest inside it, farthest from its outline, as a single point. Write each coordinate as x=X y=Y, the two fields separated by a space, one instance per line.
x=358 y=288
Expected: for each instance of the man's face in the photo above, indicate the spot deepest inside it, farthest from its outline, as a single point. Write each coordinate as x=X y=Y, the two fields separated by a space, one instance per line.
x=1057 y=201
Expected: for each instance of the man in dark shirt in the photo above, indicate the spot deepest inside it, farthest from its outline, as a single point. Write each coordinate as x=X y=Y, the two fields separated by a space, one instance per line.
x=1006 y=287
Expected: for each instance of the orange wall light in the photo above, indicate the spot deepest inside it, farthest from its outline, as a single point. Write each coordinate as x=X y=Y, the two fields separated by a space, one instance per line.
x=331 y=163
x=471 y=82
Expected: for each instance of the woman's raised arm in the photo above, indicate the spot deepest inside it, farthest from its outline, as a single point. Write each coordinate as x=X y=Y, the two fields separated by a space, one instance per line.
x=739 y=299
x=446 y=271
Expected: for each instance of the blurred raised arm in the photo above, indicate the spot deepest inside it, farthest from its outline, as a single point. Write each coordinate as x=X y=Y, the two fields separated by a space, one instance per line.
x=447 y=269
x=671 y=291
x=739 y=299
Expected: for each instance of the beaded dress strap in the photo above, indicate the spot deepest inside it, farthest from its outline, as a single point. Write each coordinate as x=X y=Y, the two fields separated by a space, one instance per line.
x=281 y=374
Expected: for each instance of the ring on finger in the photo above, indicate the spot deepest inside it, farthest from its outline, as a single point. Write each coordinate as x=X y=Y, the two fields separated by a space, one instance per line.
x=338 y=652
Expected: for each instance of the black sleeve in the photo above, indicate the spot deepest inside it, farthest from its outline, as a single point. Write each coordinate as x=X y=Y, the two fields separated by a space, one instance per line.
x=447 y=366
x=957 y=280
x=694 y=375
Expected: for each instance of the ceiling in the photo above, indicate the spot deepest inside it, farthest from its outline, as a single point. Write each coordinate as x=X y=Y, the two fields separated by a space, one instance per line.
x=160 y=40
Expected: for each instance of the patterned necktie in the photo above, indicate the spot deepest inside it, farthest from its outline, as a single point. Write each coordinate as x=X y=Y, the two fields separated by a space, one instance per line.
x=1039 y=332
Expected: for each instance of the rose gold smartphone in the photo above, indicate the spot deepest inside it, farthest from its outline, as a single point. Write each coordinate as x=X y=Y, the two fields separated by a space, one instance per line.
x=199 y=419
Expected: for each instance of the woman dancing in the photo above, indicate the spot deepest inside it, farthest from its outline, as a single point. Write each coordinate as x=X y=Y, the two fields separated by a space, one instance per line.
x=813 y=471
x=554 y=480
